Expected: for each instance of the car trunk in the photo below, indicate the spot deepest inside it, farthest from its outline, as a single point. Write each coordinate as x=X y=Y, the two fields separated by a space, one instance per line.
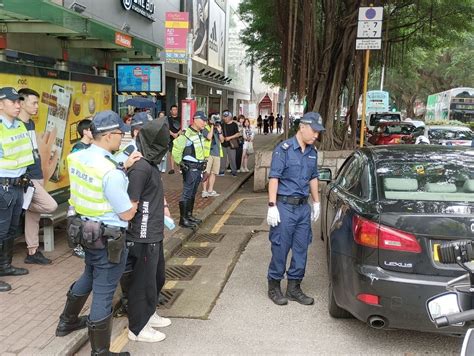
x=430 y=223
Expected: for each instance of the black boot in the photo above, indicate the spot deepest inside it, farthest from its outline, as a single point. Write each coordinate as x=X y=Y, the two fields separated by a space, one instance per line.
x=274 y=292
x=294 y=292
x=4 y=286
x=69 y=320
x=190 y=213
x=6 y=257
x=183 y=218
x=99 y=336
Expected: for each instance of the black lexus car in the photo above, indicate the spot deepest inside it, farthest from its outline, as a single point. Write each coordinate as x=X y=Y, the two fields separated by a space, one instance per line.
x=382 y=216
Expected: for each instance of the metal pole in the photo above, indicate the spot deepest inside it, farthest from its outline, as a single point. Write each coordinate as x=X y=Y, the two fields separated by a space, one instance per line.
x=189 y=85
x=382 y=77
x=251 y=79
x=364 y=97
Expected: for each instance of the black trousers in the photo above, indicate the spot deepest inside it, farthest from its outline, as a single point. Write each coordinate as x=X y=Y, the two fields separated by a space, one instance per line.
x=11 y=201
x=191 y=179
x=148 y=274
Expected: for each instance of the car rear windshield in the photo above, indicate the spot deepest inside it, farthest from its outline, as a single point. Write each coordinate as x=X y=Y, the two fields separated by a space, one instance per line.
x=395 y=129
x=446 y=178
x=447 y=134
x=376 y=118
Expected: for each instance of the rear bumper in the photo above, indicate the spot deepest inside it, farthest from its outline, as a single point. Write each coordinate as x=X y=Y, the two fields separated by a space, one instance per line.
x=402 y=296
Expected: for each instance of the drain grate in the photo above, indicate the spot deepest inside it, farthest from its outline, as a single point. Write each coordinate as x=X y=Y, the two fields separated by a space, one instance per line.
x=181 y=273
x=168 y=297
x=207 y=237
x=194 y=252
x=244 y=221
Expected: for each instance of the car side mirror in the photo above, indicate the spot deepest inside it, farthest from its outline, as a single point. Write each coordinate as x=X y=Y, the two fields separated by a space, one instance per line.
x=325 y=175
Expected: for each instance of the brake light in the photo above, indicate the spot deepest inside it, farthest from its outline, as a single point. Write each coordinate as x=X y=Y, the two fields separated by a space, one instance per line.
x=371 y=234
x=369 y=299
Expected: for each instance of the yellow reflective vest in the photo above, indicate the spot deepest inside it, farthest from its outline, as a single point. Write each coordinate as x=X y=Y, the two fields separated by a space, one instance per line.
x=207 y=144
x=16 y=146
x=87 y=195
x=195 y=150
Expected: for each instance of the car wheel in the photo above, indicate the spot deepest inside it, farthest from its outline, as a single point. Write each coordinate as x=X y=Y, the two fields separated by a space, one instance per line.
x=334 y=310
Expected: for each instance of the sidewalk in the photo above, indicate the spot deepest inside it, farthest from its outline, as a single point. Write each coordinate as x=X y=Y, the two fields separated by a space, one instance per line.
x=29 y=312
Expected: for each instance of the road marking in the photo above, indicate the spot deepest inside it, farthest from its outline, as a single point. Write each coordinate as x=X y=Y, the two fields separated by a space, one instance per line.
x=120 y=341
x=189 y=261
x=226 y=215
x=204 y=244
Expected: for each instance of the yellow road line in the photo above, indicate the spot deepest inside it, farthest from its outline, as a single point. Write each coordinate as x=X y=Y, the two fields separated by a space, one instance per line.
x=120 y=341
x=170 y=285
x=204 y=244
x=226 y=215
x=189 y=261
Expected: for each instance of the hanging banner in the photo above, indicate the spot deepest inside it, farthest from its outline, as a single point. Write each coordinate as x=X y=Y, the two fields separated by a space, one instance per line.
x=199 y=22
x=216 y=36
x=176 y=25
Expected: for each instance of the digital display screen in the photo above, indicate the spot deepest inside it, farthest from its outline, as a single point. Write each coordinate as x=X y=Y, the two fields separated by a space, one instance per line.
x=139 y=77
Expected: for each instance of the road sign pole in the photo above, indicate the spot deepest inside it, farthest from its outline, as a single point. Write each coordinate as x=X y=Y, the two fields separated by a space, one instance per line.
x=364 y=97
x=189 y=85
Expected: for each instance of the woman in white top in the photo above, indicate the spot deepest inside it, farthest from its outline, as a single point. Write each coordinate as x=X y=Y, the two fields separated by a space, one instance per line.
x=248 y=136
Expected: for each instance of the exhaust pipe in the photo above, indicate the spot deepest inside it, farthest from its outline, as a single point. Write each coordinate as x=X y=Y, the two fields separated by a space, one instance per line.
x=377 y=322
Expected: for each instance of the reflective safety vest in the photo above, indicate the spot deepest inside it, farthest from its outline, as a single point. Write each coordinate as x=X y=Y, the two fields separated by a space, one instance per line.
x=17 y=147
x=87 y=195
x=208 y=143
x=195 y=150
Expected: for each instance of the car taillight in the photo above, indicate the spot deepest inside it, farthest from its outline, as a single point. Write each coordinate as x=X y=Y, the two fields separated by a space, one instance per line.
x=371 y=234
x=369 y=298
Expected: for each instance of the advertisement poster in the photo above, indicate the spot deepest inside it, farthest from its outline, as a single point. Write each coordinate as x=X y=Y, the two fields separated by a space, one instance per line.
x=199 y=22
x=63 y=102
x=144 y=78
x=216 y=36
x=177 y=24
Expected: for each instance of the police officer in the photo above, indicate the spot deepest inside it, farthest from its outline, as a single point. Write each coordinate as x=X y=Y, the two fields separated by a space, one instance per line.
x=16 y=153
x=99 y=197
x=293 y=176
x=188 y=151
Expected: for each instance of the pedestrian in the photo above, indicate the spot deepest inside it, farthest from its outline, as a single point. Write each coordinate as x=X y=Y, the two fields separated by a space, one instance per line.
x=240 y=149
x=213 y=153
x=293 y=176
x=41 y=202
x=145 y=271
x=230 y=129
x=136 y=124
x=16 y=154
x=188 y=152
x=259 y=124
x=265 y=125
x=174 y=123
x=127 y=119
x=84 y=131
x=161 y=115
x=279 y=122
x=271 y=122
x=99 y=197
x=248 y=137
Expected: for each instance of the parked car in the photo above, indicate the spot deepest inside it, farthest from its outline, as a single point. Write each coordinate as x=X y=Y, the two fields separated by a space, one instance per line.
x=393 y=133
x=381 y=219
x=375 y=118
x=449 y=135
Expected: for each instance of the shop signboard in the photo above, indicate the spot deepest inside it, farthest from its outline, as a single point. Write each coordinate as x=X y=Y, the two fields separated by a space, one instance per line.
x=65 y=99
x=140 y=78
x=146 y=8
x=216 y=36
x=199 y=25
x=176 y=25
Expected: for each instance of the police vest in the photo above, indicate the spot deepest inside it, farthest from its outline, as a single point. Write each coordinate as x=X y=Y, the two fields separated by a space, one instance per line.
x=87 y=195
x=195 y=150
x=208 y=143
x=17 y=148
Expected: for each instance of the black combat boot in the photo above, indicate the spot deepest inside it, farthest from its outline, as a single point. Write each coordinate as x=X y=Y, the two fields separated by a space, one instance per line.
x=6 y=257
x=99 y=336
x=4 y=286
x=190 y=213
x=274 y=292
x=69 y=320
x=183 y=217
x=294 y=292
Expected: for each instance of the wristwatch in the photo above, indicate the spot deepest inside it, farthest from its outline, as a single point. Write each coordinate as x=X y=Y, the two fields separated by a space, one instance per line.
x=270 y=204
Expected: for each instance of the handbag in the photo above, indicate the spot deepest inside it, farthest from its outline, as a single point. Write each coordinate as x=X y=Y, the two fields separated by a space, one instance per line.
x=234 y=143
x=250 y=148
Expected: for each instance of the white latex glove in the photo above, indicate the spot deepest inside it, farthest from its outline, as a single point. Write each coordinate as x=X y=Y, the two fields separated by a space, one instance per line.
x=273 y=216
x=316 y=211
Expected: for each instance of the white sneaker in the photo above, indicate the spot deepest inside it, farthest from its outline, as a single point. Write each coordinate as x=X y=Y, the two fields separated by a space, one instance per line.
x=239 y=170
x=148 y=334
x=204 y=194
x=157 y=321
x=213 y=194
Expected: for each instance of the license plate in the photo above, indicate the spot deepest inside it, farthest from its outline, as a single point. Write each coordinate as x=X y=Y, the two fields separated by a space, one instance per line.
x=435 y=252
x=397 y=140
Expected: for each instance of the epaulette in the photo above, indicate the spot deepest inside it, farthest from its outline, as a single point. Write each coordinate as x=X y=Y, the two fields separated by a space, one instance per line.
x=285 y=146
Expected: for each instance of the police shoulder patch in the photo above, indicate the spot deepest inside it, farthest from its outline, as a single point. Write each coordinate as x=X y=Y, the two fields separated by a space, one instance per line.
x=285 y=145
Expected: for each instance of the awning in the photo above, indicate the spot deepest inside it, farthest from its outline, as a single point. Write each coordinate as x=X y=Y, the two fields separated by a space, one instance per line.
x=42 y=16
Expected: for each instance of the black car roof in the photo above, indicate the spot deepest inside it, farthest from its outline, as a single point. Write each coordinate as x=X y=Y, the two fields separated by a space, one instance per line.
x=409 y=152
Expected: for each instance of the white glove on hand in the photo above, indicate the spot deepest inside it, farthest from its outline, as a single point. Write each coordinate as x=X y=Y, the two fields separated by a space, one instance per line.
x=316 y=211
x=273 y=216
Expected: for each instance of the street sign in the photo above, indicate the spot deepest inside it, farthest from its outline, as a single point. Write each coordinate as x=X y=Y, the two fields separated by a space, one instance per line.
x=369 y=43
x=370 y=13
x=369 y=29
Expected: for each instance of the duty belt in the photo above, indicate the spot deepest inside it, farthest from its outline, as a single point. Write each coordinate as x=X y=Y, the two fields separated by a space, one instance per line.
x=196 y=165
x=292 y=200
x=11 y=181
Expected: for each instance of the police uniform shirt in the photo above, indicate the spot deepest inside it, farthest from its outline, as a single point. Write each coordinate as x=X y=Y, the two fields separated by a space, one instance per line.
x=190 y=158
x=10 y=173
x=114 y=185
x=34 y=171
x=146 y=187
x=294 y=169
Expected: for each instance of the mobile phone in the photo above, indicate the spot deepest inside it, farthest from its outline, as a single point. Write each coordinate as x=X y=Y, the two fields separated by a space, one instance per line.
x=129 y=150
x=57 y=118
